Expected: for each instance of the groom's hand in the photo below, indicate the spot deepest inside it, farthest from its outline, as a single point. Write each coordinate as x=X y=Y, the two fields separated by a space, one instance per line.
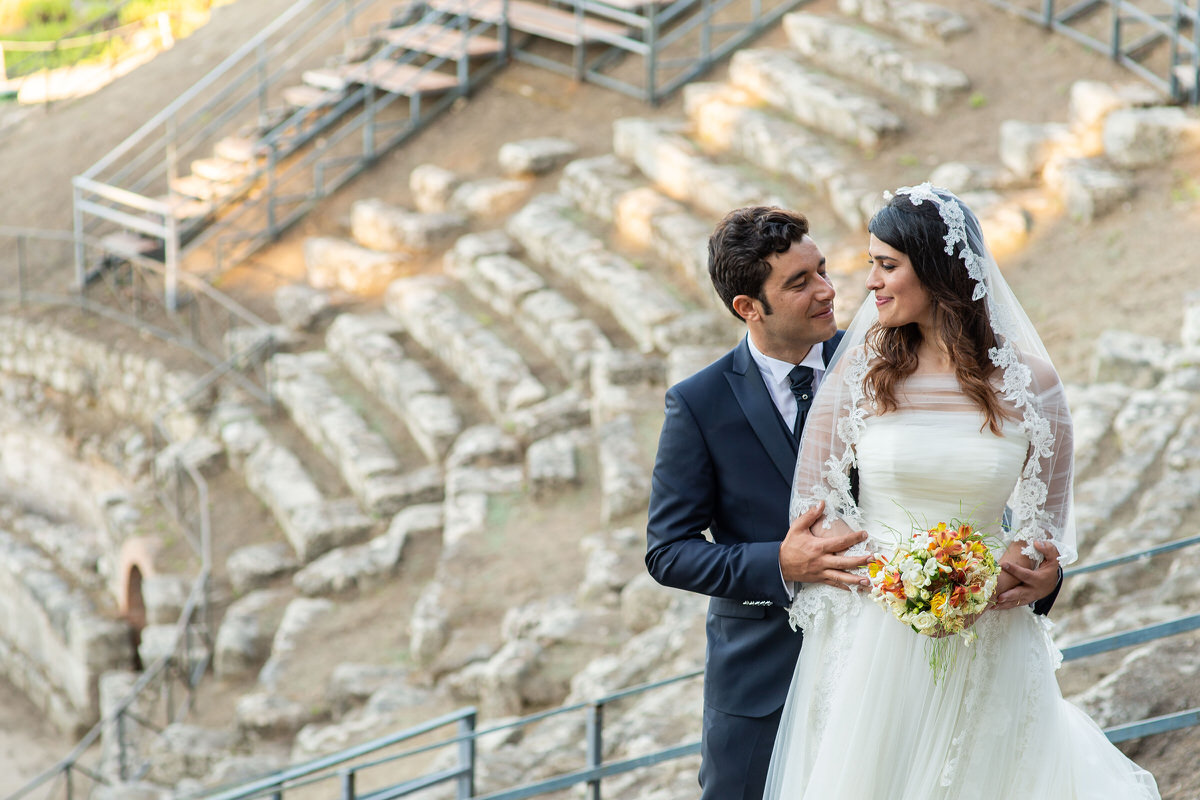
x=1034 y=583
x=807 y=558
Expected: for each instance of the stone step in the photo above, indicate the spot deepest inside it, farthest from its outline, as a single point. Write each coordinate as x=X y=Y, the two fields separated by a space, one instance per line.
x=333 y=263
x=200 y=188
x=483 y=264
x=310 y=96
x=610 y=190
x=220 y=170
x=493 y=370
x=312 y=524
x=366 y=462
x=681 y=171
x=914 y=20
x=550 y=23
x=639 y=301
x=364 y=345
x=238 y=149
x=816 y=100
x=874 y=60
x=379 y=226
x=442 y=42
x=730 y=119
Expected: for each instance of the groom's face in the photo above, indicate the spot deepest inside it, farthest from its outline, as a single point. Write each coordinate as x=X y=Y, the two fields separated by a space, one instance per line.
x=796 y=308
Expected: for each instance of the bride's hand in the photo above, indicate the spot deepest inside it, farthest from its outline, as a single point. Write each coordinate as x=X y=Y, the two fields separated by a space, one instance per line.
x=1006 y=580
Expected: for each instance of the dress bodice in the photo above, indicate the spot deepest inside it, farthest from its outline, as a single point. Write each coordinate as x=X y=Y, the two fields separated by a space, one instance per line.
x=935 y=461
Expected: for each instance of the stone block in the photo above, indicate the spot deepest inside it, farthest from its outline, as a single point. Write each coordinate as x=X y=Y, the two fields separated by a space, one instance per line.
x=506 y=479
x=595 y=185
x=302 y=308
x=1142 y=137
x=815 y=100
x=186 y=751
x=164 y=597
x=319 y=528
x=1129 y=359
x=875 y=61
x=499 y=280
x=562 y=412
x=465 y=517
x=387 y=494
x=960 y=177
x=431 y=187
x=624 y=480
x=535 y=156
x=333 y=263
x=1026 y=147
x=351 y=684
x=489 y=197
x=244 y=638
x=552 y=463
x=379 y=226
x=683 y=362
x=254 y=566
x=1093 y=408
x=643 y=602
x=483 y=446
x=429 y=625
x=924 y=23
x=682 y=172
x=559 y=329
x=264 y=716
x=1190 y=332
x=299 y=616
x=1088 y=188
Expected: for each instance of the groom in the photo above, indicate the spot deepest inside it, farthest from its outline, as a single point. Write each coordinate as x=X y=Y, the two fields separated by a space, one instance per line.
x=726 y=457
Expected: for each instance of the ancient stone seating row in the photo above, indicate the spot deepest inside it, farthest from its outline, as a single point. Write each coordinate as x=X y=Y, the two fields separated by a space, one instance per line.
x=914 y=20
x=874 y=60
x=608 y=189
x=680 y=170
x=310 y=522
x=637 y=300
x=497 y=374
x=364 y=459
x=484 y=264
x=816 y=100
x=731 y=120
x=365 y=347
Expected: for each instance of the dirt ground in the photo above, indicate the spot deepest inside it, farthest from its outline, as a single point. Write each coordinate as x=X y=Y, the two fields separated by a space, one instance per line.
x=1129 y=270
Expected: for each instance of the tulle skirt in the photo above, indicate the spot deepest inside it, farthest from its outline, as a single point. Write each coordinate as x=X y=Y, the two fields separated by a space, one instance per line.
x=866 y=720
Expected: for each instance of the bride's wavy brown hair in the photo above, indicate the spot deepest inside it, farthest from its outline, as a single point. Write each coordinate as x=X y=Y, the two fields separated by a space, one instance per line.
x=962 y=324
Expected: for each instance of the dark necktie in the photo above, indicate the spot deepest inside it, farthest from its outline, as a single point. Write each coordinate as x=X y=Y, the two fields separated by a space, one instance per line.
x=801 y=379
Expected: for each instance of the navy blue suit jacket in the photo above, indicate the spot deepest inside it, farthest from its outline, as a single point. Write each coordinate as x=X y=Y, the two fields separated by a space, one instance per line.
x=725 y=463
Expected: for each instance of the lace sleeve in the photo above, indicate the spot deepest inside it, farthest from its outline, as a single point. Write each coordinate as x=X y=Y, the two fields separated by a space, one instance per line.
x=827 y=448
x=1042 y=502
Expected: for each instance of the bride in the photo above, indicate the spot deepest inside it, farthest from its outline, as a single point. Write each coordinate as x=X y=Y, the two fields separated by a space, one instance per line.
x=944 y=404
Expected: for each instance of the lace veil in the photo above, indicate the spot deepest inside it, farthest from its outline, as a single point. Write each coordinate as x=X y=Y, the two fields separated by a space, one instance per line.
x=1026 y=382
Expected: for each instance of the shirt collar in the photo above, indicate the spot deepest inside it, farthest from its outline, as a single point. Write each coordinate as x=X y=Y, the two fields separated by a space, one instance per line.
x=778 y=370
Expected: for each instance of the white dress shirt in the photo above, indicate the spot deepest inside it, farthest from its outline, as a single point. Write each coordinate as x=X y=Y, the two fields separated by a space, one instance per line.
x=775 y=375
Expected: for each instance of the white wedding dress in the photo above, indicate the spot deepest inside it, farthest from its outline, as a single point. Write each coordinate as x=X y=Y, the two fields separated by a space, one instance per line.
x=865 y=719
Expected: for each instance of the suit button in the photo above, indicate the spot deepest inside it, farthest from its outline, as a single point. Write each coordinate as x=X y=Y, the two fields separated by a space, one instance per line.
x=803 y=397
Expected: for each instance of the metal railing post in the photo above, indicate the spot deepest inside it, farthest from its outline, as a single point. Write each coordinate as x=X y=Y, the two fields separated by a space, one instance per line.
x=21 y=269
x=121 y=772
x=347 y=784
x=1115 y=44
x=466 y=757
x=80 y=251
x=652 y=55
x=595 y=746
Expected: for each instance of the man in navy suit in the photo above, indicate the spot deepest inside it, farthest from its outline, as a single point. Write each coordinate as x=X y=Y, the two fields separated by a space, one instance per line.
x=725 y=464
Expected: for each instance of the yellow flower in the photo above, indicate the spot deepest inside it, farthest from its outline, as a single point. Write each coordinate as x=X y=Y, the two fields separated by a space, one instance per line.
x=938 y=604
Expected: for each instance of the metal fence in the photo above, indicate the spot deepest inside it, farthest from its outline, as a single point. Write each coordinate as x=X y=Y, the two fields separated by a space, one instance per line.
x=163 y=692
x=1158 y=40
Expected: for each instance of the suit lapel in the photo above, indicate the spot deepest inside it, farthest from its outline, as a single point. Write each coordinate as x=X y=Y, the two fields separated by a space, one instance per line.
x=747 y=385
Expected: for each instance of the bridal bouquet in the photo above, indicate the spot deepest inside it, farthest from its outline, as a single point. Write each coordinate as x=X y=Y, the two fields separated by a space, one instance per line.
x=936 y=583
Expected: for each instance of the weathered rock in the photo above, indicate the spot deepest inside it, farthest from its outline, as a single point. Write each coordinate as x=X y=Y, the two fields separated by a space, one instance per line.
x=960 y=177
x=916 y=21
x=682 y=362
x=243 y=769
x=351 y=684
x=165 y=597
x=244 y=639
x=489 y=197
x=298 y=617
x=624 y=481
x=643 y=602
x=562 y=412
x=483 y=446
x=1141 y=137
x=1088 y=187
x=1093 y=408
x=506 y=479
x=302 y=308
x=379 y=226
x=535 y=156
x=612 y=561
x=1026 y=147
x=254 y=566
x=262 y=715
x=1129 y=359
x=552 y=463
x=876 y=61
x=1190 y=333
x=432 y=187
x=815 y=100
x=1157 y=678
x=429 y=625
x=130 y=791
x=186 y=751
x=337 y=264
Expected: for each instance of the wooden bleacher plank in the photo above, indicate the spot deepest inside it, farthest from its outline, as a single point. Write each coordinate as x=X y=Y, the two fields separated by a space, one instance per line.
x=550 y=23
x=404 y=79
x=441 y=42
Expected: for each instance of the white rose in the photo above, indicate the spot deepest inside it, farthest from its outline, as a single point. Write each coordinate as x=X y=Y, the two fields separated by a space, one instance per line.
x=925 y=621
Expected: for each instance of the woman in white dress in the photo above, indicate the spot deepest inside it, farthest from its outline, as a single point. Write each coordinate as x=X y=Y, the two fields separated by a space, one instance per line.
x=944 y=401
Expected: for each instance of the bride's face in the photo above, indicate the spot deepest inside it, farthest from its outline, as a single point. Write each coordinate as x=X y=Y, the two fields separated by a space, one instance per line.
x=899 y=296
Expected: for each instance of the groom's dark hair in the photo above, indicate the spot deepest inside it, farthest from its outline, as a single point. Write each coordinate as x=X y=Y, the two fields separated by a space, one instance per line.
x=739 y=247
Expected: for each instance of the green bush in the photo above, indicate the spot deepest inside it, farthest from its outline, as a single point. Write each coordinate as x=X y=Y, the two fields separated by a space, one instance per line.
x=45 y=12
